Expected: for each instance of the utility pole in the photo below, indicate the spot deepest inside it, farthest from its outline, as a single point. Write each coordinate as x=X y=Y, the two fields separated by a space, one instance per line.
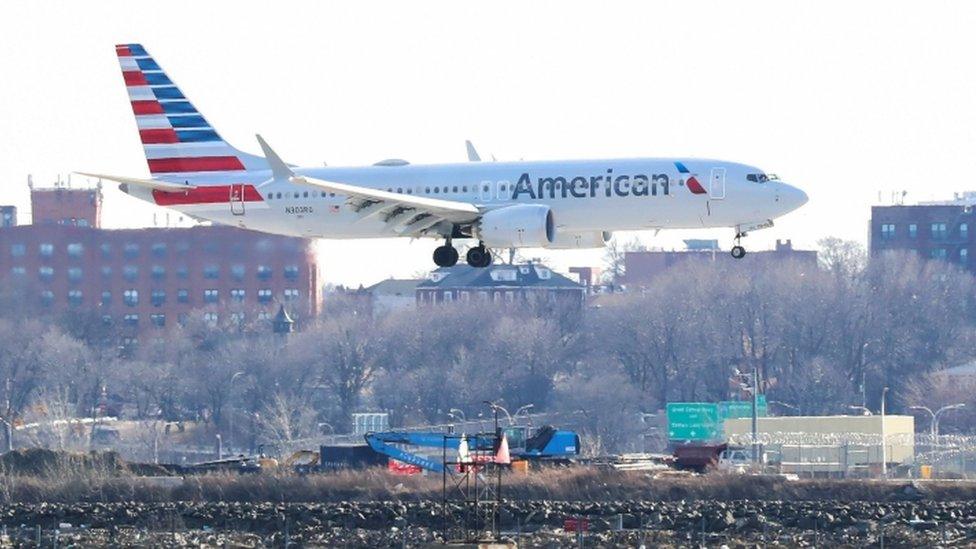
x=884 y=441
x=755 y=415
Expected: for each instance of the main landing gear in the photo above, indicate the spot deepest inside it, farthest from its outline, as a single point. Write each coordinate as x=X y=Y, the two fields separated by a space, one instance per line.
x=446 y=255
x=479 y=256
x=738 y=252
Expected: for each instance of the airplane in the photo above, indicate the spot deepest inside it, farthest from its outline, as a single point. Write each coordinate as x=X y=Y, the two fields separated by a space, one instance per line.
x=536 y=204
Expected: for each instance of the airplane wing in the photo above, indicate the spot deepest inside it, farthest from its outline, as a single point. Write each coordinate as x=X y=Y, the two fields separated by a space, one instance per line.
x=405 y=214
x=147 y=183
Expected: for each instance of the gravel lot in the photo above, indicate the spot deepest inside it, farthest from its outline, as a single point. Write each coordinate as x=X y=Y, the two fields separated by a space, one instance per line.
x=532 y=523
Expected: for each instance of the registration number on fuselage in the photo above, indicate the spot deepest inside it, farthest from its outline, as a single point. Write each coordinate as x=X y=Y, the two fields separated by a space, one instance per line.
x=298 y=210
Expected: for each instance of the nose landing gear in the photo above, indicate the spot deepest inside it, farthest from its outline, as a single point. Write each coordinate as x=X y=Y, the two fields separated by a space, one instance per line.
x=738 y=252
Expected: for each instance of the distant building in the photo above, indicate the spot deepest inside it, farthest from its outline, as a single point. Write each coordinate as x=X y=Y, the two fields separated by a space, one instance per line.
x=500 y=283
x=139 y=280
x=936 y=230
x=63 y=205
x=587 y=276
x=642 y=267
x=391 y=295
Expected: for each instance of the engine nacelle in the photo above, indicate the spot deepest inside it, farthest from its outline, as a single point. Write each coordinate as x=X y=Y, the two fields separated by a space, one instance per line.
x=518 y=226
x=574 y=241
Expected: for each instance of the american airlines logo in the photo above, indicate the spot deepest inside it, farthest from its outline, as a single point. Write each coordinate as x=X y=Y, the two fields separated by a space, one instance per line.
x=588 y=186
x=607 y=184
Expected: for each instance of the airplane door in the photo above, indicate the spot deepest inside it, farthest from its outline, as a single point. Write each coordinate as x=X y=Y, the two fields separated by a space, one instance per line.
x=716 y=187
x=486 y=191
x=237 y=198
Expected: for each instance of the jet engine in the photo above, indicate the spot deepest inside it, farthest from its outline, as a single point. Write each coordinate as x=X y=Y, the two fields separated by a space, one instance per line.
x=573 y=241
x=518 y=226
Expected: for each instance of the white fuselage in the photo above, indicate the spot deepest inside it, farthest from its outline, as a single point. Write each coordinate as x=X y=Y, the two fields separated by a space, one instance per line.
x=584 y=195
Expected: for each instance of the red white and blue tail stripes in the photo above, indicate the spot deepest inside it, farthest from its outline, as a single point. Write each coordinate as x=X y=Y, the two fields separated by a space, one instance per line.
x=177 y=139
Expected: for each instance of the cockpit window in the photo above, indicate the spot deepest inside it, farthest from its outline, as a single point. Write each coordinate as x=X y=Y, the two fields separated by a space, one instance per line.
x=757 y=177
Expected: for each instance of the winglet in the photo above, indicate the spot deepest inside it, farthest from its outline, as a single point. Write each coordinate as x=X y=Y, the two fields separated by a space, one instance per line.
x=279 y=170
x=473 y=155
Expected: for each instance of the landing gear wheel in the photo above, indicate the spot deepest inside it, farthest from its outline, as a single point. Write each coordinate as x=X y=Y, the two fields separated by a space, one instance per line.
x=479 y=257
x=445 y=256
x=738 y=252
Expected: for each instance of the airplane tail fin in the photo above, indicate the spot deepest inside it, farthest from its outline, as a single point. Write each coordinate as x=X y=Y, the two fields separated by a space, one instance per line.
x=178 y=141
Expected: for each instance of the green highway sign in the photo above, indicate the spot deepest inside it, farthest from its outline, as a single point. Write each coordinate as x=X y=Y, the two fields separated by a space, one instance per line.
x=703 y=421
x=698 y=421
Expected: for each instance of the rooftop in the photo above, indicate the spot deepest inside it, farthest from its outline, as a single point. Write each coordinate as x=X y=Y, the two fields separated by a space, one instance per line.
x=498 y=276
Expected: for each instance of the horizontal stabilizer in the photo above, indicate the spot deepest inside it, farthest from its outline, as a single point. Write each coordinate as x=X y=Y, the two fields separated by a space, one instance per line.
x=146 y=183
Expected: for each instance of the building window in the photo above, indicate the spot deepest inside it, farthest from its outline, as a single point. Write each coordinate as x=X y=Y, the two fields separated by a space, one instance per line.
x=130 y=272
x=939 y=231
x=964 y=256
x=46 y=250
x=75 y=274
x=237 y=318
x=181 y=318
x=74 y=297
x=264 y=295
x=131 y=251
x=211 y=296
x=182 y=272
x=45 y=273
x=107 y=320
x=447 y=297
x=938 y=253
x=211 y=271
x=159 y=249
x=158 y=320
x=264 y=315
x=18 y=271
x=291 y=272
x=106 y=250
x=75 y=249
x=158 y=297
x=106 y=271
x=291 y=294
x=237 y=271
x=158 y=272
x=211 y=318
x=131 y=319
x=264 y=272
x=183 y=295
x=18 y=250
x=887 y=231
x=182 y=247
x=47 y=298
x=964 y=230
x=237 y=294
x=106 y=297
x=912 y=230
x=130 y=297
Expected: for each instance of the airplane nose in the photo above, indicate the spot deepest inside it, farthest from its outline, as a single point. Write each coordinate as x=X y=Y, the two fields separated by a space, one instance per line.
x=791 y=198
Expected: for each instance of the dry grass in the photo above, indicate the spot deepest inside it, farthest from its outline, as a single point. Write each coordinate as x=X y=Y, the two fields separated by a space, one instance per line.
x=71 y=482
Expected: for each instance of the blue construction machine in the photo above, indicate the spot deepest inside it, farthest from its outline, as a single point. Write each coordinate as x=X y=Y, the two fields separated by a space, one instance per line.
x=546 y=444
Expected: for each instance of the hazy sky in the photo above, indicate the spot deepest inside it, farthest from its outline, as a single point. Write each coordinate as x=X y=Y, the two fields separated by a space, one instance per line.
x=844 y=99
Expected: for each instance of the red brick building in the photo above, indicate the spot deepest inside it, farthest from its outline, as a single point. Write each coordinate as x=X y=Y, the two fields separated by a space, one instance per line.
x=147 y=279
x=641 y=267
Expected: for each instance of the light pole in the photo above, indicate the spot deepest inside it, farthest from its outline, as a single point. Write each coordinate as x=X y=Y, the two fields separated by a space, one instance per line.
x=455 y=412
x=884 y=440
x=230 y=412
x=786 y=405
x=934 y=426
x=523 y=409
x=495 y=406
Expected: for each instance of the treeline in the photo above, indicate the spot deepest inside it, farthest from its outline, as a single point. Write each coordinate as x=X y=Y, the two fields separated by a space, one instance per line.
x=822 y=338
